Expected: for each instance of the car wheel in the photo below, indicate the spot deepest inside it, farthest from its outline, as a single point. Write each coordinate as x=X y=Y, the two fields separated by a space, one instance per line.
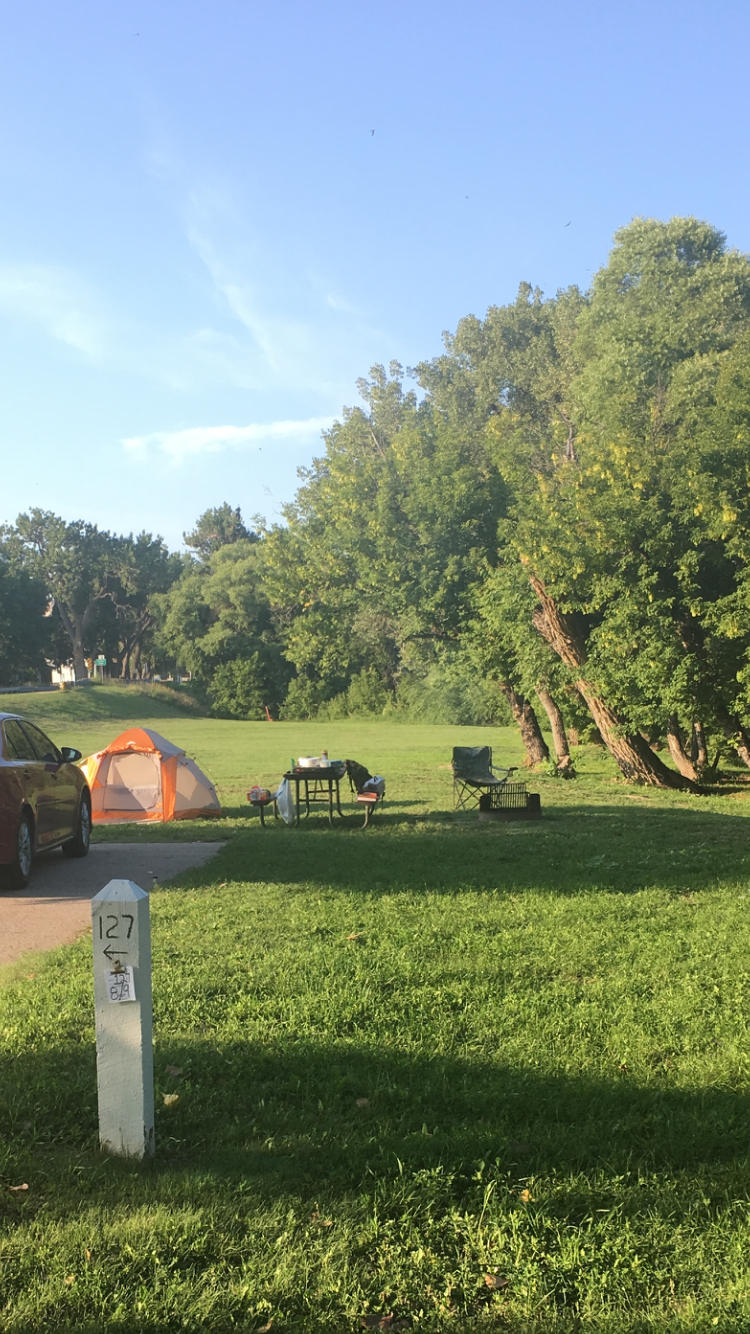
x=79 y=843
x=19 y=871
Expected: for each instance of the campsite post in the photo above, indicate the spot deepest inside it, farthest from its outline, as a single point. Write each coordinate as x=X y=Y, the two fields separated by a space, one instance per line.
x=124 y=1023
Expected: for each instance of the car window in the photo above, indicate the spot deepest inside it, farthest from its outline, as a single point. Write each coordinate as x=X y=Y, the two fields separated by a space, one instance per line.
x=17 y=745
x=45 y=749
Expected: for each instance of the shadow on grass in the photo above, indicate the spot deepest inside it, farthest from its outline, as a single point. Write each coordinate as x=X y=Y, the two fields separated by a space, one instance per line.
x=576 y=848
x=327 y=1121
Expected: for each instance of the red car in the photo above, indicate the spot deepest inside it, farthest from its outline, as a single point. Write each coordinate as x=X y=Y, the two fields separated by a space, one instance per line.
x=44 y=799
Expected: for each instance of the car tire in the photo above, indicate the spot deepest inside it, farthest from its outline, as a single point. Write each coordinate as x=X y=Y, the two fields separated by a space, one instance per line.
x=79 y=844
x=18 y=873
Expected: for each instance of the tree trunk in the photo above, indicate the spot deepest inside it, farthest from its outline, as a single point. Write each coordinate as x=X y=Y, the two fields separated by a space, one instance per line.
x=632 y=754
x=698 y=747
x=741 y=740
x=73 y=626
x=537 y=750
x=738 y=734
x=677 y=750
x=559 y=735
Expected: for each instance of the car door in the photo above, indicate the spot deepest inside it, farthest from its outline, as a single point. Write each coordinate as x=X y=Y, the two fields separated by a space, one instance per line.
x=11 y=800
x=37 y=780
x=65 y=816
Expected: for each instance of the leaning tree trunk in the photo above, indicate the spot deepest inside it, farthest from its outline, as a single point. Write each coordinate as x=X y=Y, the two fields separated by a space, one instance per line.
x=681 y=760
x=631 y=752
x=537 y=750
x=559 y=735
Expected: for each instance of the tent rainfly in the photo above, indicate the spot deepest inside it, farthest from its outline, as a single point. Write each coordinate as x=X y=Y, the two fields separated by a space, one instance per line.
x=142 y=776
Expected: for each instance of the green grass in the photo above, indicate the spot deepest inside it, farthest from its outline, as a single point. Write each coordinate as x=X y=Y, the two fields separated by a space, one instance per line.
x=548 y=1023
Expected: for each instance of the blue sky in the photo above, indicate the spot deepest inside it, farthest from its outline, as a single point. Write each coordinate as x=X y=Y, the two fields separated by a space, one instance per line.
x=203 y=244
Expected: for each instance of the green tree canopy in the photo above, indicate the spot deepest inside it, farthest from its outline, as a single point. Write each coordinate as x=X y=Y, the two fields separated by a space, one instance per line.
x=215 y=621
x=76 y=563
x=26 y=638
x=217 y=528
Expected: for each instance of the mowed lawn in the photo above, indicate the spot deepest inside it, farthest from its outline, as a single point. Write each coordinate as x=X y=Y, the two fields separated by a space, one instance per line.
x=437 y=1075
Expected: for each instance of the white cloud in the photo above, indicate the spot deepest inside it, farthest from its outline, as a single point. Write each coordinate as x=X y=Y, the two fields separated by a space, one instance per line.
x=304 y=334
x=68 y=309
x=261 y=316
x=60 y=301
x=180 y=445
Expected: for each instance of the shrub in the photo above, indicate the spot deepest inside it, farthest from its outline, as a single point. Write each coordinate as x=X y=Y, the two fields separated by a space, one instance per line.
x=237 y=689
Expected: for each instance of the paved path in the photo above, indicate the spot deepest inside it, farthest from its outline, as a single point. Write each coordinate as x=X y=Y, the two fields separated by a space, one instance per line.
x=54 y=909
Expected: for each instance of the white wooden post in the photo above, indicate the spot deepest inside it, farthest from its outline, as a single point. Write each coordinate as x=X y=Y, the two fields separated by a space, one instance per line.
x=124 y=1019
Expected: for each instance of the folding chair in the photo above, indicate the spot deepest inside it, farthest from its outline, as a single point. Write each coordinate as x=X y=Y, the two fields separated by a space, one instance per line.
x=473 y=774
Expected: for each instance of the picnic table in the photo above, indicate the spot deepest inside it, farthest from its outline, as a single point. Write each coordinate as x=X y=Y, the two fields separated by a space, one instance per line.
x=321 y=787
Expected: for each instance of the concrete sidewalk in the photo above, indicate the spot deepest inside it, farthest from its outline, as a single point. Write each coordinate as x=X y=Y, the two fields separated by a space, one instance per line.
x=55 y=908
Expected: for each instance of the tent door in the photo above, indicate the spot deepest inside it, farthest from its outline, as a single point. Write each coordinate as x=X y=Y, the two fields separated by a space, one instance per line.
x=132 y=783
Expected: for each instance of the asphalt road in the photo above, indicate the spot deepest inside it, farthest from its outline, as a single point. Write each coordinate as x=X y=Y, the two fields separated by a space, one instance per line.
x=55 y=908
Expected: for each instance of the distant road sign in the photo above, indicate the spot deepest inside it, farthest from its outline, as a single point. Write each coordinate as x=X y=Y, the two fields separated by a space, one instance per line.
x=101 y=662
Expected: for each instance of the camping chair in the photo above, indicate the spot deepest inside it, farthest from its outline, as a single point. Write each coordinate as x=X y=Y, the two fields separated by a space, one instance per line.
x=473 y=774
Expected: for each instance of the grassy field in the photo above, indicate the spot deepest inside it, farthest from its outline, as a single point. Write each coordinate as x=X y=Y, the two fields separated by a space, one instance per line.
x=438 y=1075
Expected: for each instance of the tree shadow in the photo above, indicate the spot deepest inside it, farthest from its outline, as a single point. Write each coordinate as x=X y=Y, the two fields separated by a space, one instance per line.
x=329 y=1120
x=573 y=849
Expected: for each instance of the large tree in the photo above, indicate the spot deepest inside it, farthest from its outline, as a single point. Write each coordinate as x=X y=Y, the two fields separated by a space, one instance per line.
x=216 y=622
x=620 y=538
x=391 y=533
x=144 y=569
x=76 y=562
x=594 y=409
x=26 y=639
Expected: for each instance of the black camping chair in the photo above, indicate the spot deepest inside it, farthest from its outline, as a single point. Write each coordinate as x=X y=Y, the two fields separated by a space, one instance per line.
x=473 y=774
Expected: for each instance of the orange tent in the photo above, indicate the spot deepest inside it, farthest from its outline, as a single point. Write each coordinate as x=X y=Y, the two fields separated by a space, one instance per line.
x=142 y=776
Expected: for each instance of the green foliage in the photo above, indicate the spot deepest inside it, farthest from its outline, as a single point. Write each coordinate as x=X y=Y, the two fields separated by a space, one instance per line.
x=238 y=689
x=26 y=639
x=217 y=616
x=387 y=540
x=303 y=699
x=609 y=419
x=102 y=587
x=451 y=691
x=124 y=623
x=76 y=564
x=366 y=696
x=217 y=528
